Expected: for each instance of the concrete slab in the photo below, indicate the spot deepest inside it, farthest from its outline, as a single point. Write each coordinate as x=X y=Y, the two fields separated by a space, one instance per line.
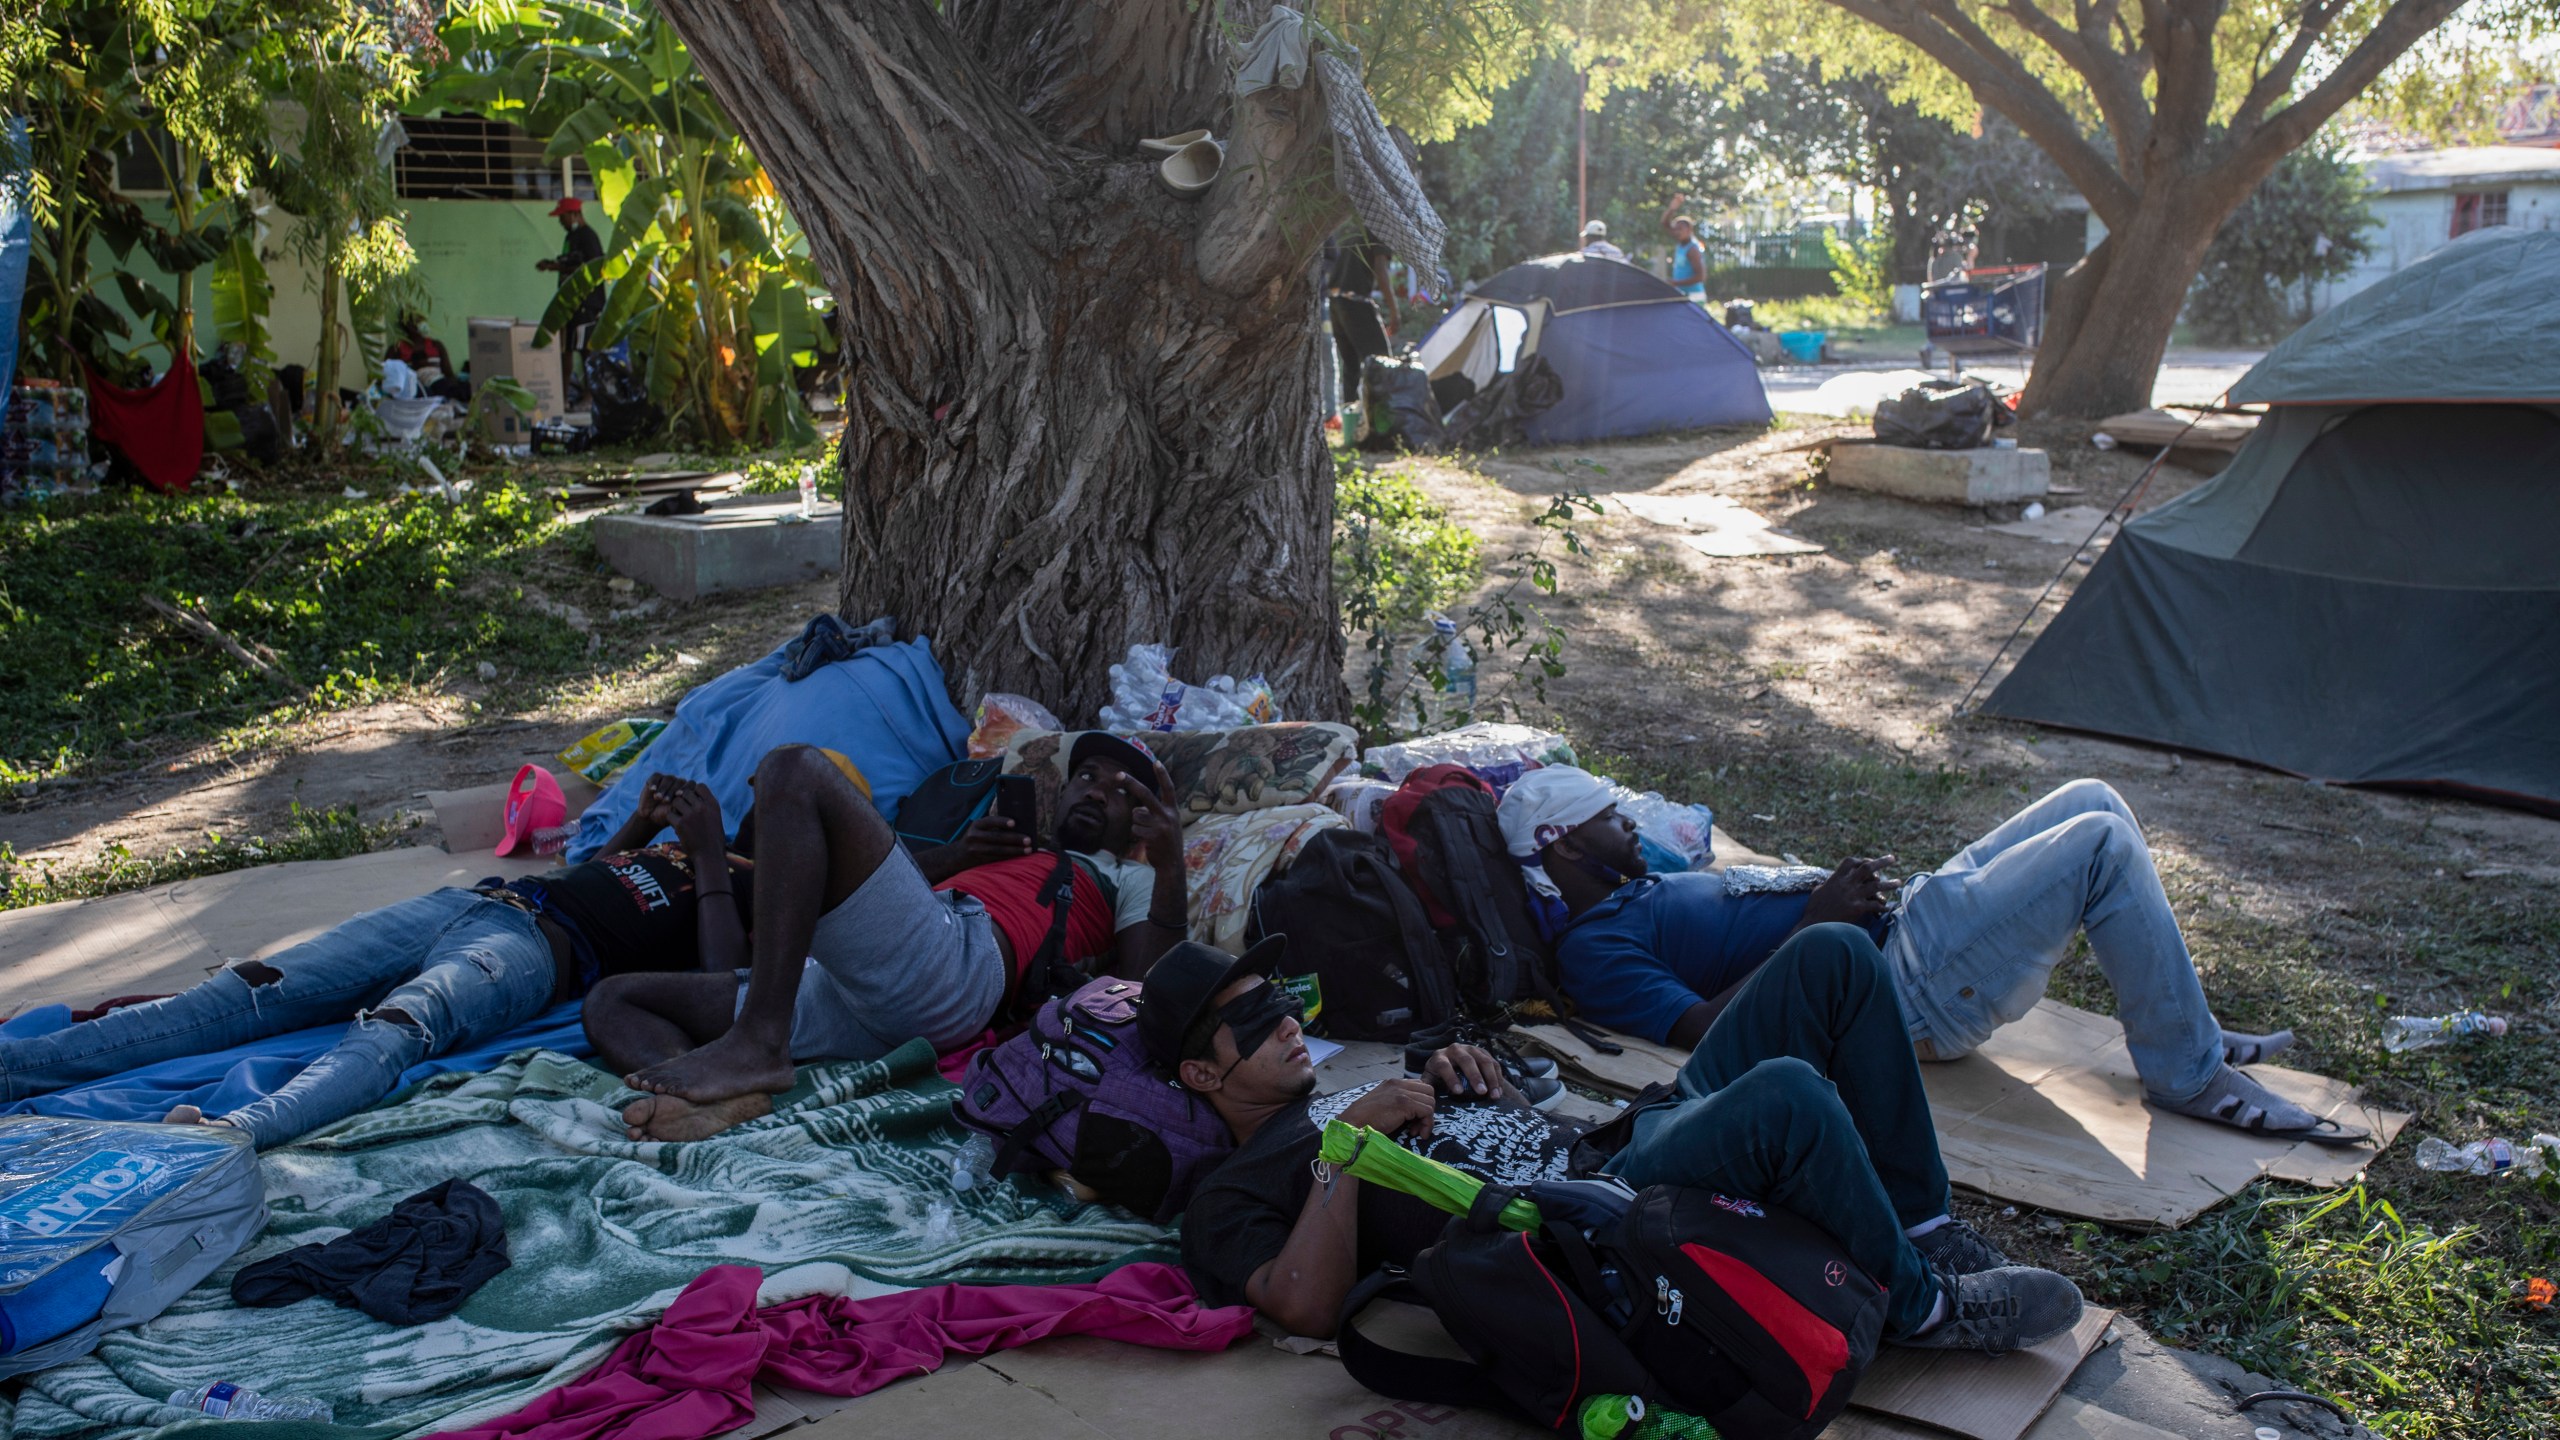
x=2138 y=1387
x=738 y=546
x=1950 y=477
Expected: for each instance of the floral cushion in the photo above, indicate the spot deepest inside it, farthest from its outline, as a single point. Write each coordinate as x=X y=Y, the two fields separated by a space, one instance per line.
x=1227 y=858
x=1215 y=772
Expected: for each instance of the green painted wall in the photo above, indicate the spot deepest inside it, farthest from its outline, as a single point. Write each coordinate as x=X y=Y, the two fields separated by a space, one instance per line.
x=475 y=258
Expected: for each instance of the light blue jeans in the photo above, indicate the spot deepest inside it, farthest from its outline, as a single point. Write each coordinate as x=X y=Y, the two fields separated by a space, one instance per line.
x=460 y=966
x=1978 y=939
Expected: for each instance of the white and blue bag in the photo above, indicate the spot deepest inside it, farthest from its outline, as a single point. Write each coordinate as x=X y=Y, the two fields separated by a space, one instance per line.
x=103 y=1223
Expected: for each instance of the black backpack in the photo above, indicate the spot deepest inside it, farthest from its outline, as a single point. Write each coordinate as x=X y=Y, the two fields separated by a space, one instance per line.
x=1378 y=970
x=1461 y=868
x=1741 y=1314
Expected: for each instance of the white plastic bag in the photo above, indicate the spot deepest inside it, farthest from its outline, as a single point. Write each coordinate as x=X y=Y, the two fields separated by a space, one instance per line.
x=1499 y=752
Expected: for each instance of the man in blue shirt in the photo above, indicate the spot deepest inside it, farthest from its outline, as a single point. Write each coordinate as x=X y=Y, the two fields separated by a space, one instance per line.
x=1970 y=946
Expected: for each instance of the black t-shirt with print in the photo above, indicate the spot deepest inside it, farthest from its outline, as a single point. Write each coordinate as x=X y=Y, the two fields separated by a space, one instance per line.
x=636 y=910
x=1241 y=1217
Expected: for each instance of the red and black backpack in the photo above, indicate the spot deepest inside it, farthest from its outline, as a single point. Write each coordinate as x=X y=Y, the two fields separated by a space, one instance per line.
x=1740 y=1313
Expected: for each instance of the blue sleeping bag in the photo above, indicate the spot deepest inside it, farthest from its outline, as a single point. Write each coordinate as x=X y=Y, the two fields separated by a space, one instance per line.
x=886 y=709
x=103 y=1223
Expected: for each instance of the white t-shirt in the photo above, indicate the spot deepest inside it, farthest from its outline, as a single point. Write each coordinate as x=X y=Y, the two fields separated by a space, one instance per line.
x=1604 y=250
x=1130 y=884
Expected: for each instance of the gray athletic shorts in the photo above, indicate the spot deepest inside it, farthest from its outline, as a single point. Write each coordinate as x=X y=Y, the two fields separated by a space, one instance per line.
x=896 y=960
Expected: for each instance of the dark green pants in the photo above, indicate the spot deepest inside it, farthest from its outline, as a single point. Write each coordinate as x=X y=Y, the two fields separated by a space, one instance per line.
x=1805 y=1094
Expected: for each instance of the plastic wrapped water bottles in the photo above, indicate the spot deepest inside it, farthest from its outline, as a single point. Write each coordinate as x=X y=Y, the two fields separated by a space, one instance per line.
x=225 y=1401
x=2417 y=1032
x=1146 y=696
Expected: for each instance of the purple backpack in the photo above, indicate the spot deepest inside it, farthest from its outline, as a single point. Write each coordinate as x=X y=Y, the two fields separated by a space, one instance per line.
x=1076 y=1091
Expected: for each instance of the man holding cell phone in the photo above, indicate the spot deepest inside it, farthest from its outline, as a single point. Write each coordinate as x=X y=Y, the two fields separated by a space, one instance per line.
x=897 y=945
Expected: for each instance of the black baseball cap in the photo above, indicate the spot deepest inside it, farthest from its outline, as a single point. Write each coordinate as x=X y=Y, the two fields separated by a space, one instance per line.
x=1130 y=755
x=1183 y=985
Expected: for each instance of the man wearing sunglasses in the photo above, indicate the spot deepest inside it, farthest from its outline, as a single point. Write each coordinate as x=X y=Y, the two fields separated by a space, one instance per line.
x=1803 y=1095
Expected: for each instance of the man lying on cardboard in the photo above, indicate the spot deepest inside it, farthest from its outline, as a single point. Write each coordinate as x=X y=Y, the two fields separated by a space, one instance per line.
x=1802 y=1095
x=896 y=946
x=431 y=975
x=1969 y=947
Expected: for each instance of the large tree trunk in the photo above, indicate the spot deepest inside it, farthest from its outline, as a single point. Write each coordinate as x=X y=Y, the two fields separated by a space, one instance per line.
x=2109 y=317
x=1082 y=413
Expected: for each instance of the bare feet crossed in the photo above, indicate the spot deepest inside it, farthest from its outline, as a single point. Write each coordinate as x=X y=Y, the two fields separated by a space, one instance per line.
x=666 y=1117
x=724 y=1069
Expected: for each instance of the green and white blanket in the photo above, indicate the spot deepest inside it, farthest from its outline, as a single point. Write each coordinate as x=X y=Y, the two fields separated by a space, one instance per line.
x=844 y=1189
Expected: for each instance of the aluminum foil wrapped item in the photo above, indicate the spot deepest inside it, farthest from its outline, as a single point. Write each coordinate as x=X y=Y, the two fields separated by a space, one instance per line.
x=1772 y=879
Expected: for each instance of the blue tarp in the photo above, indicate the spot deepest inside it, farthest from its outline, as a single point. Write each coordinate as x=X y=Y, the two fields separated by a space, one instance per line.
x=886 y=709
x=225 y=1080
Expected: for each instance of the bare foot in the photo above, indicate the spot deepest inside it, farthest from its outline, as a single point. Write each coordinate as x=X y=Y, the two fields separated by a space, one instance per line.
x=665 y=1117
x=725 y=1069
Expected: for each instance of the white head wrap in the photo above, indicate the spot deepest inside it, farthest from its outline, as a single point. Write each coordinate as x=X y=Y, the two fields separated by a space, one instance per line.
x=1541 y=807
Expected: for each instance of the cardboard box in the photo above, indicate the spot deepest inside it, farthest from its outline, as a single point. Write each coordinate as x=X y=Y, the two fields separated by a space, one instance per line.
x=504 y=346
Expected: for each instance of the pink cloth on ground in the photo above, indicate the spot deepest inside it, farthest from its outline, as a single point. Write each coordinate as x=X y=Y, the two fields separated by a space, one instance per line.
x=689 y=1375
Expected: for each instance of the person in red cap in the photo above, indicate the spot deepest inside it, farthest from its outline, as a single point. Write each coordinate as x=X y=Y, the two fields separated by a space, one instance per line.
x=579 y=249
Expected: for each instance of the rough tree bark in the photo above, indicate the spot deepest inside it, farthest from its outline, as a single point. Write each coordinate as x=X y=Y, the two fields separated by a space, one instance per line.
x=2179 y=166
x=1082 y=413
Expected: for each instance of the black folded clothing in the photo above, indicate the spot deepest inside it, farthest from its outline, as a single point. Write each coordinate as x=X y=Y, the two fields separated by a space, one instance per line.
x=416 y=1264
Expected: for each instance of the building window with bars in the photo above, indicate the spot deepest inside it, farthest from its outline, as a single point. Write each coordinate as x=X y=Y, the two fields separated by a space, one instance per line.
x=2479 y=210
x=462 y=157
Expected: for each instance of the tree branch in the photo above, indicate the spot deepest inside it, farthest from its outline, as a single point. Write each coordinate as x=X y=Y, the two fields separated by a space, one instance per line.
x=1275 y=200
x=2402 y=26
x=2274 y=81
x=1998 y=80
x=2115 y=86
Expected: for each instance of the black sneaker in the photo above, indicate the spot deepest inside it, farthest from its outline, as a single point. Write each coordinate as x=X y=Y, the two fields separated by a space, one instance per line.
x=1997 y=1311
x=1959 y=1249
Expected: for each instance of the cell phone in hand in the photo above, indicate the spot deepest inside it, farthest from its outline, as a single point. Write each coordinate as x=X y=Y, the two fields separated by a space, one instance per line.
x=1018 y=800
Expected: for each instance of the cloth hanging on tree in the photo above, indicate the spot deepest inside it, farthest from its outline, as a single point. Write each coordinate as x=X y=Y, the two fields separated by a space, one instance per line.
x=160 y=427
x=690 y=1375
x=1368 y=166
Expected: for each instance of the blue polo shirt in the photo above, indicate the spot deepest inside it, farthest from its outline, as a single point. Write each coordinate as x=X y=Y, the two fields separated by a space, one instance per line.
x=1638 y=960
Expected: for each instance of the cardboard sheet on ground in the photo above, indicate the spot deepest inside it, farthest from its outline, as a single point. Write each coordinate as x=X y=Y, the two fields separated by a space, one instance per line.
x=2067 y=526
x=168 y=937
x=1719 y=525
x=2049 y=1113
x=1081 y=1387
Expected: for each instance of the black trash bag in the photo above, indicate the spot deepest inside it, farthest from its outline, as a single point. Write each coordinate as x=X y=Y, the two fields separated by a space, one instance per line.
x=622 y=410
x=1500 y=413
x=1942 y=415
x=1397 y=409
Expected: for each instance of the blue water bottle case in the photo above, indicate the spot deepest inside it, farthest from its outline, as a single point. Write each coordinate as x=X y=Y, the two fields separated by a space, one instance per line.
x=138 y=1212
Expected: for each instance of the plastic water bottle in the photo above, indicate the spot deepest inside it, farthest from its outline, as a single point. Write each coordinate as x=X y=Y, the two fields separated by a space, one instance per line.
x=225 y=1401
x=1445 y=648
x=808 y=492
x=2490 y=1156
x=975 y=1165
x=2417 y=1032
x=1626 y=1417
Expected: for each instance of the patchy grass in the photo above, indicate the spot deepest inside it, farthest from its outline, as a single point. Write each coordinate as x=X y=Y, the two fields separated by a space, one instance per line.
x=2397 y=1296
x=354 y=600
x=315 y=835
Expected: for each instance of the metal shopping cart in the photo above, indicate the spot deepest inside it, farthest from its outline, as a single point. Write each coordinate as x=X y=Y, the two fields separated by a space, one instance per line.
x=1991 y=310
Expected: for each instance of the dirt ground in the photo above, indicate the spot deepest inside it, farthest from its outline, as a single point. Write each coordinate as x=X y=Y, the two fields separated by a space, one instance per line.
x=1862 y=650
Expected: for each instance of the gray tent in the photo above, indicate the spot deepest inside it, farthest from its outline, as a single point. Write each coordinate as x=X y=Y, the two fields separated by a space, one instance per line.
x=2370 y=594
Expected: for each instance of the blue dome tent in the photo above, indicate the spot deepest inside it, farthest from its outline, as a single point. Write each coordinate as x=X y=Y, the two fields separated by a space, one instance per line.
x=1634 y=355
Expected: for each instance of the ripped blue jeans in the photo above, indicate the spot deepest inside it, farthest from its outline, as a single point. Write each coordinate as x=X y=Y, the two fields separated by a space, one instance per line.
x=459 y=966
